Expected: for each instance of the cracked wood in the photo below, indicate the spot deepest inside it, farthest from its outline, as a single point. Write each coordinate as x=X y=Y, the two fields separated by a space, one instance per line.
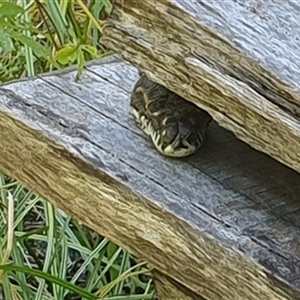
x=223 y=223
x=236 y=59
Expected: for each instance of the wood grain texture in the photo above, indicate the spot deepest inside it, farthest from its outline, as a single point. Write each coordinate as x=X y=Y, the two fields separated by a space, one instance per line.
x=168 y=289
x=223 y=223
x=236 y=59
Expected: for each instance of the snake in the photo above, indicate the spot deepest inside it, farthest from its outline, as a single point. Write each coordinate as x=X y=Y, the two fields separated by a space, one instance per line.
x=177 y=127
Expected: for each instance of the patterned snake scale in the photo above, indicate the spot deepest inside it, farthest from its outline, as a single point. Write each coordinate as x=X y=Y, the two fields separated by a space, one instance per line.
x=176 y=126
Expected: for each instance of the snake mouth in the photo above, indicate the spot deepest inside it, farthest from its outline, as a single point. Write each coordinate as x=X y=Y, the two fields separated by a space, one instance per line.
x=179 y=148
x=179 y=151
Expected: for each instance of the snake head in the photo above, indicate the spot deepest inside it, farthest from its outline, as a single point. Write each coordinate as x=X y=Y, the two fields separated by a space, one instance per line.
x=179 y=139
x=176 y=126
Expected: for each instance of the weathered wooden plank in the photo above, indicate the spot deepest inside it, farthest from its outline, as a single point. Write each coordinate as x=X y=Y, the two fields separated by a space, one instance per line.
x=235 y=59
x=76 y=144
x=168 y=289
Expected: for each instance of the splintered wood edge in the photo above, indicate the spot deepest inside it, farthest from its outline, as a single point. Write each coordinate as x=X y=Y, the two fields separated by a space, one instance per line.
x=265 y=127
x=72 y=184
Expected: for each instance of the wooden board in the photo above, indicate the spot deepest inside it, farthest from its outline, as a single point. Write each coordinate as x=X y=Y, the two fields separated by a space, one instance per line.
x=168 y=289
x=223 y=223
x=236 y=59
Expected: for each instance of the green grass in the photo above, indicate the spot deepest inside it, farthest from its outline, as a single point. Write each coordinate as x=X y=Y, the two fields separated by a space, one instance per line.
x=43 y=253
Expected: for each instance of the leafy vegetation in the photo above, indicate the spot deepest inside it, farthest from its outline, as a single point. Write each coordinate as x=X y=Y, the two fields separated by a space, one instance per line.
x=45 y=254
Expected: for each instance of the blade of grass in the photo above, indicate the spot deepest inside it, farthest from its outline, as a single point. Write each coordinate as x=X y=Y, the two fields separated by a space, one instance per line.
x=119 y=286
x=50 y=278
x=91 y=17
x=7 y=288
x=89 y=259
x=128 y=273
x=132 y=297
x=10 y=232
x=64 y=259
x=50 y=245
x=91 y=283
x=56 y=14
x=109 y=264
x=28 y=51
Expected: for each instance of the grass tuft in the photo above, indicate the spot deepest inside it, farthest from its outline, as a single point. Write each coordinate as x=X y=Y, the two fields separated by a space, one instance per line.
x=45 y=254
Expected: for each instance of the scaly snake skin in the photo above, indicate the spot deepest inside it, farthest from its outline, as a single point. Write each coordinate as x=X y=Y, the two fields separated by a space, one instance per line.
x=176 y=126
